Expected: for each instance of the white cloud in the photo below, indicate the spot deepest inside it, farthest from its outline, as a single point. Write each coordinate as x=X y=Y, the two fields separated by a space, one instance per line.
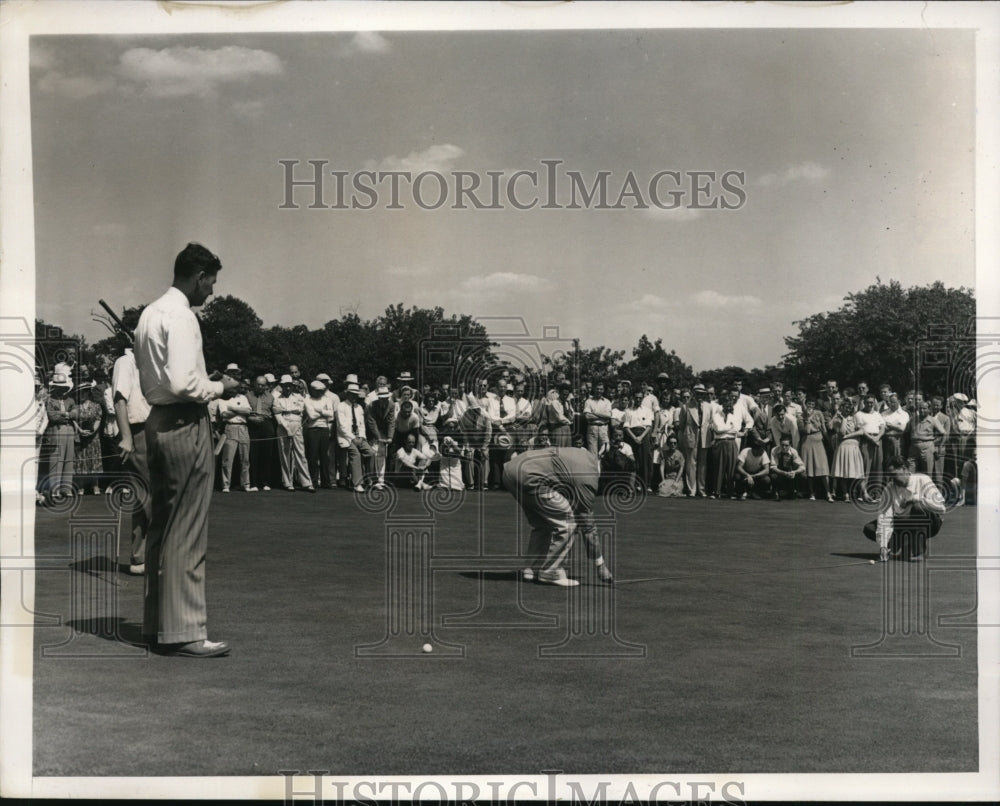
x=436 y=158
x=504 y=282
x=676 y=214
x=713 y=299
x=179 y=71
x=802 y=171
x=80 y=87
x=369 y=42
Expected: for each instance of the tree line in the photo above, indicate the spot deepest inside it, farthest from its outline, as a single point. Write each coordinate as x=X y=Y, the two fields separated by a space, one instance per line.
x=920 y=337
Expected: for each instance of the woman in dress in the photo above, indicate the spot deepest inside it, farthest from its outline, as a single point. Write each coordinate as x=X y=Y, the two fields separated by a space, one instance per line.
x=58 y=440
x=637 y=426
x=812 y=427
x=848 y=464
x=671 y=470
x=664 y=421
x=87 y=448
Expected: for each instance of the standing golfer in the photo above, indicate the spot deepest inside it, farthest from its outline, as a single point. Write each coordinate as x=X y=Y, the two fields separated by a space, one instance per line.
x=556 y=488
x=916 y=509
x=168 y=353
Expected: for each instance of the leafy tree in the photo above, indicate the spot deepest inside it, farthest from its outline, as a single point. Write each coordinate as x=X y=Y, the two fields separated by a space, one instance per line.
x=231 y=331
x=591 y=364
x=649 y=359
x=112 y=345
x=879 y=336
x=53 y=346
x=753 y=379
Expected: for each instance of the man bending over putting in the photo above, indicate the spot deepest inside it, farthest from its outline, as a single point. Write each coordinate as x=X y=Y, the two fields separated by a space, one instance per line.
x=912 y=516
x=556 y=488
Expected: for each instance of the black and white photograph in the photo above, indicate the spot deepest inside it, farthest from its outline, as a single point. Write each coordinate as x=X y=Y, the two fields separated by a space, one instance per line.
x=525 y=401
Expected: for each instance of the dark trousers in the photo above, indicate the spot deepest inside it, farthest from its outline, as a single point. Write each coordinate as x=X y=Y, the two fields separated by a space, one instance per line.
x=909 y=535
x=478 y=468
x=724 y=458
x=761 y=485
x=263 y=455
x=784 y=486
x=318 y=455
x=498 y=458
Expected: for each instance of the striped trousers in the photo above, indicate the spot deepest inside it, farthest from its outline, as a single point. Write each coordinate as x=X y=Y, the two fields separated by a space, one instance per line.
x=182 y=471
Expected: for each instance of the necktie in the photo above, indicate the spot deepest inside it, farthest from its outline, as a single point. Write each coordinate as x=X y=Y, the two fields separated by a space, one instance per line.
x=354 y=420
x=503 y=411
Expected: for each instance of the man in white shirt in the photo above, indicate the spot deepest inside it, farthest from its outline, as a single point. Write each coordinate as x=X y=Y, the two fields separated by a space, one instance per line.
x=597 y=416
x=131 y=413
x=753 y=470
x=351 y=437
x=233 y=413
x=416 y=461
x=913 y=516
x=873 y=425
x=334 y=400
x=291 y=438
x=503 y=409
x=168 y=354
x=649 y=398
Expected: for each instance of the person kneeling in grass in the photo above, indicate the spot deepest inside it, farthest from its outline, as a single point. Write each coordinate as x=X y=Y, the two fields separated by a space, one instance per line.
x=753 y=470
x=912 y=515
x=416 y=461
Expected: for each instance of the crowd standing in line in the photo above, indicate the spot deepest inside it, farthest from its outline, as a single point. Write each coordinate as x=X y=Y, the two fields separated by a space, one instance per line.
x=282 y=432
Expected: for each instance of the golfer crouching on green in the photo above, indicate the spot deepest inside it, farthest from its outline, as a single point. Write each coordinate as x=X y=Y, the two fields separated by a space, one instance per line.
x=556 y=488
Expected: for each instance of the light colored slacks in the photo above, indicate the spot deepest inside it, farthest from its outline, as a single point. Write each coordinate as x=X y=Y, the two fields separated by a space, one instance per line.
x=181 y=468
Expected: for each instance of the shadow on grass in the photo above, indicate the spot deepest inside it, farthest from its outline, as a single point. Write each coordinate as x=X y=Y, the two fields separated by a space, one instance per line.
x=856 y=555
x=110 y=628
x=503 y=576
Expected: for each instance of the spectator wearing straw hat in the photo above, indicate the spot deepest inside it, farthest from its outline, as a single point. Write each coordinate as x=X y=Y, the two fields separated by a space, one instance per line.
x=318 y=414
x=380 y=422
x=352 y=436
x=291 y=440
x=334 y=450
x=58 y=441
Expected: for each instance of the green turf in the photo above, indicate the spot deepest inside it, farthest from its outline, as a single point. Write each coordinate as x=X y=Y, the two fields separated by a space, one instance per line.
x=744 y=628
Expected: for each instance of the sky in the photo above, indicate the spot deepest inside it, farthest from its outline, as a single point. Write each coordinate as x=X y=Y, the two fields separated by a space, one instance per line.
x=856 y=146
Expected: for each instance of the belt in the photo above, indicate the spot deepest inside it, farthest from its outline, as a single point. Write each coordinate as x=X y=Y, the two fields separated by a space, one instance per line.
x=921 y=440
x=187 y=405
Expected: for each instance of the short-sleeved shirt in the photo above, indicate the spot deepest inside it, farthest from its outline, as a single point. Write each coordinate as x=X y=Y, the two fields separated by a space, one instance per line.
x=753 y=464
x=870 y=423
x=125 y=385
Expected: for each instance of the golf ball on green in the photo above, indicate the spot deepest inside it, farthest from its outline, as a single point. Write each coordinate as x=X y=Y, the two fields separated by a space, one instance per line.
x=428 y=648
x=871 y=562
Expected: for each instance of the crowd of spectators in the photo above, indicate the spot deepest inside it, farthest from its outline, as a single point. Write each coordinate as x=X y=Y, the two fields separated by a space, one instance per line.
x=284 y=432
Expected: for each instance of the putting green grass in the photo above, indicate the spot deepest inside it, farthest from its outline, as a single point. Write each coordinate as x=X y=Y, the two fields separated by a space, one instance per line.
x=726 y=646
